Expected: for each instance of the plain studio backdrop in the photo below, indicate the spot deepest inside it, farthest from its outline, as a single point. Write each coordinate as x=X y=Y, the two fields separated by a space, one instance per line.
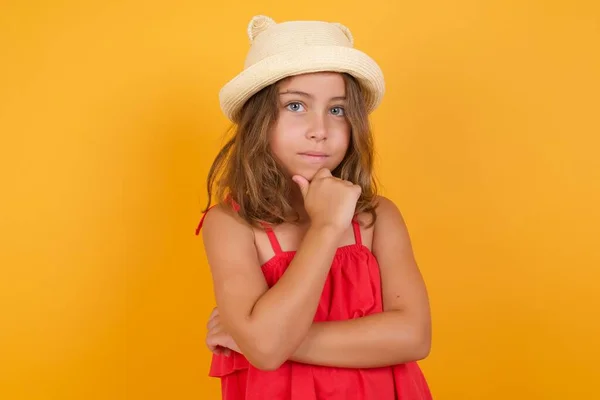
x=487 y=139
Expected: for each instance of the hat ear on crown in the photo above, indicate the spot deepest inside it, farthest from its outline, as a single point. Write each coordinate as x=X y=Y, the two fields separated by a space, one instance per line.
x=346 y=32
x=257 y=25
x=290 y=48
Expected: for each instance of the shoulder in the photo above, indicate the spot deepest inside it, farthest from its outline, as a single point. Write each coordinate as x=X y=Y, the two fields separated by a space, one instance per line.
x=228 y=242
x=388 y=220
x=385 y=207
x=222 y=221
x=390 y=228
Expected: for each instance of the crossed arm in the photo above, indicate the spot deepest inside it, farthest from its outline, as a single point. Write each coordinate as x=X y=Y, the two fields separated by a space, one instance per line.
x=270 y=326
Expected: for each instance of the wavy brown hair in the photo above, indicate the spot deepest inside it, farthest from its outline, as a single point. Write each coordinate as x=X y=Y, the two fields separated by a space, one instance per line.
x=246 y=172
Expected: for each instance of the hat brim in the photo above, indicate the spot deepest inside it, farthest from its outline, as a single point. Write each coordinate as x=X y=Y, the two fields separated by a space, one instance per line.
x=313 y=59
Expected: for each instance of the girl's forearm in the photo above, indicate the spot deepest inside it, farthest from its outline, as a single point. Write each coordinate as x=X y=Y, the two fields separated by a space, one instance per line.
x=378 y=340
x=281 y=318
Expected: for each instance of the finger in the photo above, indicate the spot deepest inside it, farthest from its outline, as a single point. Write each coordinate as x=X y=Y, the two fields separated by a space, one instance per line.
x=213 y=349
x=211 y=345
x=220 y=350
x=342 y=181
x=215 y=330
x=213 y=322
x=215 y=344
x=214 y=337
x=302 y=184
x=214 y=340
x=213 y=313
x=323 y=173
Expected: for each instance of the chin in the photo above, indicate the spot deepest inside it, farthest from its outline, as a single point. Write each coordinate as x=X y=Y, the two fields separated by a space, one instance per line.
x=309 y=173
x=306 y=173
x=309 y=169
x=309 y=176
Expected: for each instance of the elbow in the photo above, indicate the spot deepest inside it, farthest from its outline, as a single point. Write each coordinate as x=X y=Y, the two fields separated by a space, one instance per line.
x=421 y=344
x=422 y=349
x=266 y=356
x=267 y=364
x=413 y=345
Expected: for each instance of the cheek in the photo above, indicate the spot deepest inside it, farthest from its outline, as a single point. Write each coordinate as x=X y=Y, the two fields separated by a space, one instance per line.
x=279 y=146
x=276 y=147
x=342 y=136
x=282 y=148
x=285 y=137
x=276 y=141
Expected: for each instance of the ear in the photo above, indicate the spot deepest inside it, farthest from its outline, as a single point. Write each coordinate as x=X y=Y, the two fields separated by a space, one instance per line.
x=346 y=31
x=258 y=24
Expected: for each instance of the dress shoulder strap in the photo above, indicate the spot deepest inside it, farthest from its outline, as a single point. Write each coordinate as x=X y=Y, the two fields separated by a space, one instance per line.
x=272 y=238
x=199 y=227
x=356 y=227
x=268 y=230
x=235 y=206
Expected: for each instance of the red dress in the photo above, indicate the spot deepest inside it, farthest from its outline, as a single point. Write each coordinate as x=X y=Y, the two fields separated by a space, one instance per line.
x=352 y=290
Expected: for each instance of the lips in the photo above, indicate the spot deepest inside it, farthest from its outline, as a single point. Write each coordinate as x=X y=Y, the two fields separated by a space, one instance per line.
x=315 y=154
x=314 y=157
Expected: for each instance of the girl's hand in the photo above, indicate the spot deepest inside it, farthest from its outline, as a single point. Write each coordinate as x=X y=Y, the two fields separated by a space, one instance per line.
x=329 y=201
x=217 y=340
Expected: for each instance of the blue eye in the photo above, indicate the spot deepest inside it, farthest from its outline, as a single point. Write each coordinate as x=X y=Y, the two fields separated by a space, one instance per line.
x=338 y=111
x=295 y=107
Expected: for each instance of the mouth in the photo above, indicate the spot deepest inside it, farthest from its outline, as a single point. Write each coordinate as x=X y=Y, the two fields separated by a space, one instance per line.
x=314 y=155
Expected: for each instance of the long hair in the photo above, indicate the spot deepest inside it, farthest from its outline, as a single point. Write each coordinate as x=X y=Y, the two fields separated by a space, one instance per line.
x=246 y=171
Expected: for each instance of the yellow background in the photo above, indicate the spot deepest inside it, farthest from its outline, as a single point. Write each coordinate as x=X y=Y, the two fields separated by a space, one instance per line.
x=487 y=140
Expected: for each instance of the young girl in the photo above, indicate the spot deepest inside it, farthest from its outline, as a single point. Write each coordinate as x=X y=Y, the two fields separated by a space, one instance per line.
x=318 y=292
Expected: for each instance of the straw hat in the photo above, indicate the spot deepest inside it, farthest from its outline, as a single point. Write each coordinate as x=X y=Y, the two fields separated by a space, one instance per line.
x=279 y=50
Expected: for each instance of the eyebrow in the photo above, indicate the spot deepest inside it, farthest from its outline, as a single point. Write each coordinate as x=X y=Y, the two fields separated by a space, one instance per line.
x=310 y=96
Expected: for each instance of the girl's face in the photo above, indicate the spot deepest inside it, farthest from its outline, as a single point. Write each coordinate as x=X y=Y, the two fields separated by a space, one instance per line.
x=311 y=131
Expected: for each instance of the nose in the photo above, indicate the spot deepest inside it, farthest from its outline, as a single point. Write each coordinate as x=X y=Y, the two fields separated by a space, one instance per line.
x=318 y=128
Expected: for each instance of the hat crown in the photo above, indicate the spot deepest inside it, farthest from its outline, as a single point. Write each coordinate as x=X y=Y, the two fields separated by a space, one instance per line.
x=280 y=50
x=268 y=38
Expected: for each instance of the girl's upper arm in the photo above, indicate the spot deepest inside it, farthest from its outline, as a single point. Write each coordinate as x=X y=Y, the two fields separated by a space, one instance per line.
x=237 y=277
x=403 y=286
